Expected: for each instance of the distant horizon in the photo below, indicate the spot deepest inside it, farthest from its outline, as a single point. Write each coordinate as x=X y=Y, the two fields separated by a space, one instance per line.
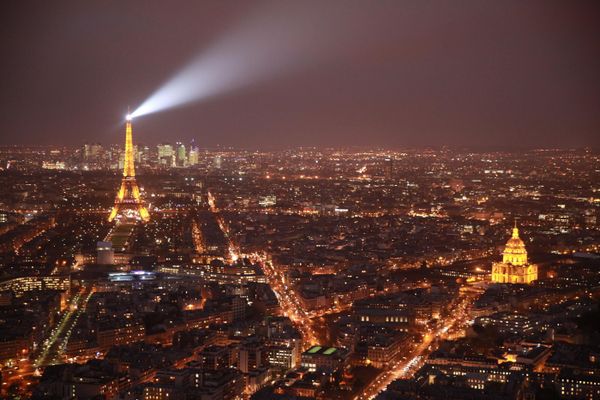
x=355 y=148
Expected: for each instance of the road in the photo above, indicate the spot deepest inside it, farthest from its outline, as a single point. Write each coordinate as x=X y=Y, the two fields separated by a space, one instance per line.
x=51 y=350
x=234 y=250
x=289 y=302
x=408 y=364
x=291 y=306
x=54 y=346
x=288 y=299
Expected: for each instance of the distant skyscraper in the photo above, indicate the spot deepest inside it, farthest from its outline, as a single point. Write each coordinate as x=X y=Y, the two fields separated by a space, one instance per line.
x=194 y=156
x=514 y=267
x=166 y=155
x=217 y=161
x=389 y=168
x=144 y=154
x=181 y=155
x=128 y=198
x=92 y=151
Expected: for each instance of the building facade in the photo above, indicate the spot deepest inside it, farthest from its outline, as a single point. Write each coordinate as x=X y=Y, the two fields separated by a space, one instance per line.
x=514 y=267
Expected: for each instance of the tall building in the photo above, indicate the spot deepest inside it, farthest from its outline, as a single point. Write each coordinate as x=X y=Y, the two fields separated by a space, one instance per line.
x=250 y=355
x=143 y=154
x=128 y=201
x=181 y=155
x=193 y=156
x=514 y=267
x=92 y=151
x=389 y=168
x=166 y=154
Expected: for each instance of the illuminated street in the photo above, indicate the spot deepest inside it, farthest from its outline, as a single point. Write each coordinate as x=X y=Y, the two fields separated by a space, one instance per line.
x=414 y=359
x=290 y=304
x=53 y=347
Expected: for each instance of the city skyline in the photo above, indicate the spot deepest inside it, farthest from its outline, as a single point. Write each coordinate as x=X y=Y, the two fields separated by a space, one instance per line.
x=375 y=269
x=300 y=200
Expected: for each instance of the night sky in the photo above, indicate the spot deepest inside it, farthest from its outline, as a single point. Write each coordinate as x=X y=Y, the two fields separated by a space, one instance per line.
x=356 y=73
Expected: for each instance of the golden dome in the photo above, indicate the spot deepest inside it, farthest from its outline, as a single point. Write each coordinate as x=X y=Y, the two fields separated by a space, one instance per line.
x=515 y=252
x=514 y=267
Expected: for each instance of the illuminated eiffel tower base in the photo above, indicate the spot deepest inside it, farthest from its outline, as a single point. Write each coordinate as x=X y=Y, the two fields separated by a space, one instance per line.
x=128 y=202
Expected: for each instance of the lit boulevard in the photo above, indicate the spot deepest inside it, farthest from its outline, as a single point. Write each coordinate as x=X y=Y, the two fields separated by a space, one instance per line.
x=288 y=301
x=410 y=362
x=53 y=347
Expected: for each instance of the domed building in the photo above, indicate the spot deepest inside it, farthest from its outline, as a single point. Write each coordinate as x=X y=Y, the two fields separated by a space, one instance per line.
x=514 y=267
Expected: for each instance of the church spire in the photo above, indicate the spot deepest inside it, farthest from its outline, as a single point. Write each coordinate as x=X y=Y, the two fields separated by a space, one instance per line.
x=515 y=231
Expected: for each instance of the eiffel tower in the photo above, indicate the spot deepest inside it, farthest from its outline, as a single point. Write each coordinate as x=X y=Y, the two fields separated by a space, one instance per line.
x=128 y=202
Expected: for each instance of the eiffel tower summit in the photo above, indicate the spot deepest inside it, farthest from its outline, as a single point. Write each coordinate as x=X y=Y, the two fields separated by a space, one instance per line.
x=128 y=202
